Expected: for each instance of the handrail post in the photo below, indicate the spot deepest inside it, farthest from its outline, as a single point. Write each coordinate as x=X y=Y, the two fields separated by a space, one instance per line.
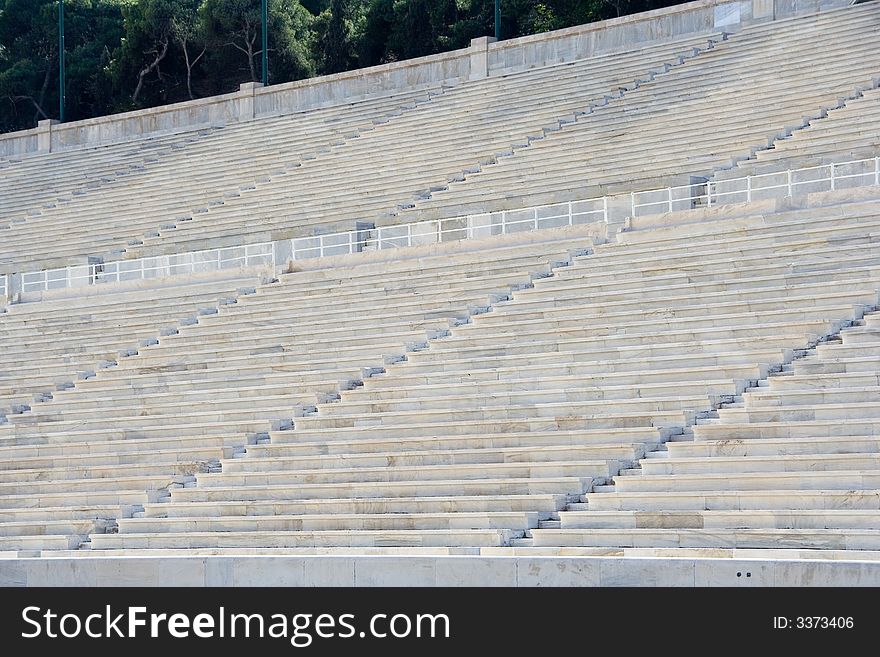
x=877 y=170
x=536 y=218
x=570 y=215
x=790 y=187
x=709 y=193
x=748 y=189
x=605 y=208
x=832 y=176
x=632 y=203
x=669 y=193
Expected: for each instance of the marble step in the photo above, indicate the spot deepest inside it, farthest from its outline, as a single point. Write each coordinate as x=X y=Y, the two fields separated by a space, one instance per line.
x=775 y=447
x=108 y=484
x=53 y=527
x=733 y=500
x=752 y=519
x=292 y=539
x=331 y=522
x=40 y=542
x=746 y=464
x=88 y=514
x=819 y=411
x=155 y=468
x=400 y=411
x=390 y=489
x=244 y=477
x=253 y=463
x=542 y=504
x=127 y=450
x=790 y=429
x=773 y=398
x=851 y=539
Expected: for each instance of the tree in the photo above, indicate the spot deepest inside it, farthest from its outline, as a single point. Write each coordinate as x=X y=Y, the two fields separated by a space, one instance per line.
x=125 y=54
x=187 y=27
x=149 y=29
x=29 y=58
x=236 y=24
x=338 y=36
x=291 y=34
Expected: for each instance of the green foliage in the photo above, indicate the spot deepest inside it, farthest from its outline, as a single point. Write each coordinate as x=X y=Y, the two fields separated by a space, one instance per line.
x=127 y=54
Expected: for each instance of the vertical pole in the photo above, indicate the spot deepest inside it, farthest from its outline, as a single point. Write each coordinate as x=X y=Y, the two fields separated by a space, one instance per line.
x=498 y=20
x=877 y=170
x=749 y=189
x=265 y=20
x=832 y=176
x=669 y=191
x=790 y=189
x=61 y=60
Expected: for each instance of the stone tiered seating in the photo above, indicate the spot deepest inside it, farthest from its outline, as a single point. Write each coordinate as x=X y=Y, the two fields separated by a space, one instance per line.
x=605 y=124
x=50 y=349
x=851 y=132
x=551 y=395
x=716 y=109
x=149 y=425
x=471 y=125
x=218 y=167
x=30 y=185
x=52 y=344
x=794 y=465
x=847 y=137
x=281 y=177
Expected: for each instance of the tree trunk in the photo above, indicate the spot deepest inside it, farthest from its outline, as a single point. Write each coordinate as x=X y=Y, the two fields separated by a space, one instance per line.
x=251 y=54
x=149 y=69
x=38 y=105
x=190 y=66
x=248 y=51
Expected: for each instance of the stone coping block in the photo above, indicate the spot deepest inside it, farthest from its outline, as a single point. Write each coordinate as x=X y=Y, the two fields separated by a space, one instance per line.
x=524 y=571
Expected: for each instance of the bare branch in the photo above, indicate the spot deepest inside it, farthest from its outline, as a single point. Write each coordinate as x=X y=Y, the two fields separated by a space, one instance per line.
x=149 y=69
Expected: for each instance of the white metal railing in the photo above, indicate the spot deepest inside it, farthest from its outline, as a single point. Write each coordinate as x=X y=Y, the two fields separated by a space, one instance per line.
x=463 y=227
x=838 y=175
x=4 y=287
x=249 y=255
x=824 y=177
